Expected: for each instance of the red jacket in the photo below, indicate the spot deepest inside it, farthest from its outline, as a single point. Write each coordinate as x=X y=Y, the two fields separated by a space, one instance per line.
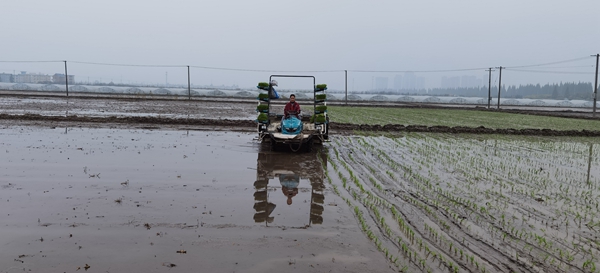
x=292 y=107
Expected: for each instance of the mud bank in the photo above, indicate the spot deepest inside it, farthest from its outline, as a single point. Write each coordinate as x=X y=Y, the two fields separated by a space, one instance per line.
x=237 y=124
x=460 y=130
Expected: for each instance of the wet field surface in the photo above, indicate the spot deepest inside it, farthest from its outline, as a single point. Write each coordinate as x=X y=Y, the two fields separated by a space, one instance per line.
x=106 y=200
x=471 y=203
x=124 y=186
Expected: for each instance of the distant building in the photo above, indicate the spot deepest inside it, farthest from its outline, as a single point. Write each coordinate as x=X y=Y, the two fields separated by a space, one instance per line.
x=32 y=78
x=4 y=77
x=381 y=83
x=410 y=81
x=450 y=82
x=398 y=83
x=470 y=81
x=420 y=83
x=60 y=78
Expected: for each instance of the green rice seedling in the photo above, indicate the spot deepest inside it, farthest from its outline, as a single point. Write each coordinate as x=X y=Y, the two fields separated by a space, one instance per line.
x=262 y=107
x=320 y=118
x=262 y=117
x=263 y=84
x=321 y=86
x=321 y=108
x=320 y=97
x=263 y=96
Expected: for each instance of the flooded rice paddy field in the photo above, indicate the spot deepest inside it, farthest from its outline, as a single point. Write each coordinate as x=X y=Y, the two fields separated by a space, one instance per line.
x=131 y=107
x=439 y=203
x=108 y=200
x=115 y=200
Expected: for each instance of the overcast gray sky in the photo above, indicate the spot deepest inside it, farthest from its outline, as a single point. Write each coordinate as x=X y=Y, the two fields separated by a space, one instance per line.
x=301 y=35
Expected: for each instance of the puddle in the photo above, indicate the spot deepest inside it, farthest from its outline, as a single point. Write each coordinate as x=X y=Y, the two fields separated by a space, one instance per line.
x=143 y=200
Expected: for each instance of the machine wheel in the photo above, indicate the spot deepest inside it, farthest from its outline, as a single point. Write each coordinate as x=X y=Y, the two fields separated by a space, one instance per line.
x=308 y=146
x=273 y=145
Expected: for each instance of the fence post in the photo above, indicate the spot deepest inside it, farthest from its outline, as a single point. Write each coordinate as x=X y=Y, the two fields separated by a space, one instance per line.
x=66 y=79
x=346 y=75
x=189 y=87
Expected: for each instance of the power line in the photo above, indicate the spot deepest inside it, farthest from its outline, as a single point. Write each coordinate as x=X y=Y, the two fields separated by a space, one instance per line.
x=419 y=71
x=549 y=72
x=207 y=67
x=138 y=65
x=574 y=66
x=512 y=68
x=31 y=61
x=558 y=62
x=258 y=70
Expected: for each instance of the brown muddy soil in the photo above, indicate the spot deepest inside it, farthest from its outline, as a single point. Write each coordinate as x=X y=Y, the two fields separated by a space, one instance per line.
x=113 y=200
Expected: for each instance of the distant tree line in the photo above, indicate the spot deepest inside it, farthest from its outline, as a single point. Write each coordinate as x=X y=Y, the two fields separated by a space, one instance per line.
x=558 y=91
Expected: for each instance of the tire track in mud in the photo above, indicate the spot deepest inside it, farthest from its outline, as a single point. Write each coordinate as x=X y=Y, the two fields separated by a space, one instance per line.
x=336 y=127
x=467 y=210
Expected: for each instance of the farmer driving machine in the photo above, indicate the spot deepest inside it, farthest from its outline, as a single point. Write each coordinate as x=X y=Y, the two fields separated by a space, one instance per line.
x=299 y=132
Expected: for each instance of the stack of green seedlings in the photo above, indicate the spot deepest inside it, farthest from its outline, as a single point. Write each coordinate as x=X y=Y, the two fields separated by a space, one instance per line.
x=320 y=110
x=263 y=109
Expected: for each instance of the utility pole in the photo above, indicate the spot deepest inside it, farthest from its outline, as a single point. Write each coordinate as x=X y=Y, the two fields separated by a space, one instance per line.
x=499 y=85
x=596 y=85
x=346 y=75
x=490 y=86
x=189 y=86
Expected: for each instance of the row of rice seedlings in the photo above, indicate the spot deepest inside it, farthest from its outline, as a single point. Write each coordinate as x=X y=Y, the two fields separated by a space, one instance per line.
x=411 y=233
x=371 y=201
x=363 y=223
x=455 y=201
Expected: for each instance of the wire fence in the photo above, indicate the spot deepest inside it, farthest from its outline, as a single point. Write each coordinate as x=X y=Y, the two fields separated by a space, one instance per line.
x=192 y=81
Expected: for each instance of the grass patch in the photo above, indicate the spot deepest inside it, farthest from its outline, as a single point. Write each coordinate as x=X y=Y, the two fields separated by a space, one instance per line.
x=456 y=117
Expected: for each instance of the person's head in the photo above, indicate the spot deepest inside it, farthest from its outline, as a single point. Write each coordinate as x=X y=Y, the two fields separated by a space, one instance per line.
x=289 y=193
x=292 y=98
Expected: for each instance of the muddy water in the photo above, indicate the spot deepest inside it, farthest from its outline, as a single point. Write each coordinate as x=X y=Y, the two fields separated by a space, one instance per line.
x=106 y=200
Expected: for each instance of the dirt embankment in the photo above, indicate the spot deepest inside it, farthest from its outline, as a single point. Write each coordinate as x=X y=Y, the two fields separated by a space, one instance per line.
x=339 y=127
x=461 y=130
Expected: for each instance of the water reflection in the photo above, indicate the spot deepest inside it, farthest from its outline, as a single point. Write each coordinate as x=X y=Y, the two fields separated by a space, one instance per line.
x=290 y=177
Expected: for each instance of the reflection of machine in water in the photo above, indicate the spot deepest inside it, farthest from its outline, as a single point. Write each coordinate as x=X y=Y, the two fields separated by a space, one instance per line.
x=285 y=171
